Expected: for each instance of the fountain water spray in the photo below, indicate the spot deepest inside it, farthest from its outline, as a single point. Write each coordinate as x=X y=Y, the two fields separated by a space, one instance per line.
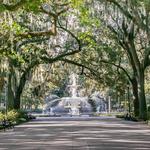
x=74 y=104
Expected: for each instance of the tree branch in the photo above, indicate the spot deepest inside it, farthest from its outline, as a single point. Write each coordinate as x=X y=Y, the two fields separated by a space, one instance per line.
x=80 y=65
x=124 y=11
x=52 y=31
x=118 y=66
x=124 y=43
x=134 y=16
x=147 y=58
x=72 y=34
x=14 y=7
x=75 y=63
x=59 y=57
x=28 y=41
x=92 y=70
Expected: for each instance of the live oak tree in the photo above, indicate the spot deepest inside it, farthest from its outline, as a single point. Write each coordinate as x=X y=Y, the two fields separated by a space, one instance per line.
x=132 y=32
x=20 y=47
x=129 y=23
x=105 y=33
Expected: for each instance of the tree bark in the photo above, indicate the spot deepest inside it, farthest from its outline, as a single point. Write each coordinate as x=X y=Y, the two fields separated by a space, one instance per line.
x=142 y=99
x=10 y=93
x=136 y=97
x=19 y=91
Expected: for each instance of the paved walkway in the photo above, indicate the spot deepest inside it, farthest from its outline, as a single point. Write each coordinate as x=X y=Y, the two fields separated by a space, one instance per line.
x=77 y=134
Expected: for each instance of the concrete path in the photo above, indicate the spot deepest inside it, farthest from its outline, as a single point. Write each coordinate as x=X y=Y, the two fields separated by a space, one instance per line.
x=77 y=134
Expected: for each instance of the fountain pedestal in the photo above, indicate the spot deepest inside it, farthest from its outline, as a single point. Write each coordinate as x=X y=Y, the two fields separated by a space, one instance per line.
x=51 y=113
x=74 y=109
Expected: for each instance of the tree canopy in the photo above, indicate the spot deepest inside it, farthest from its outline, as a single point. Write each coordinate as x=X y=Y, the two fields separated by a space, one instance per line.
x=107 y=42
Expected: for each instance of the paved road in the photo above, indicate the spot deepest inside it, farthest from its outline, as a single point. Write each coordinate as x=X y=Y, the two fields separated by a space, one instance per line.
x=77 y=134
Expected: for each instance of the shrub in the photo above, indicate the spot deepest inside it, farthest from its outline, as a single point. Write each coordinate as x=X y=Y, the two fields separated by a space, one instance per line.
x=15 y=116
x=22 y=114
x=12 y=115
x=2 y=116
x=22 y=120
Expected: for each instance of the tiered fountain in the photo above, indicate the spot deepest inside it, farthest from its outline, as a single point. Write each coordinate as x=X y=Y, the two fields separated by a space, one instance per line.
x=73 y=105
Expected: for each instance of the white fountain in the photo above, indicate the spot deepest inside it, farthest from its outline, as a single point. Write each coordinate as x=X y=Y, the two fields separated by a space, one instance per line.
x=74 y=105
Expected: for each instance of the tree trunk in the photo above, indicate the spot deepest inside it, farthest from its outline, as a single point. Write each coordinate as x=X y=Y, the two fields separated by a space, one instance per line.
x=136 y=97
x=142 y=98
x=10 y=97
x=22 y=83
x=19 y=91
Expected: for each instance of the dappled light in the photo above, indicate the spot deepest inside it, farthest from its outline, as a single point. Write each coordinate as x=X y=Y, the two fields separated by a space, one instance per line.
x=52 y=133
x=74 y=74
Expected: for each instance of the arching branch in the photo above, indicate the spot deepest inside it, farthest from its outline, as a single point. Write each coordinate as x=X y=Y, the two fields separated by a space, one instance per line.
x=118 y=66
x=13 y=7
x=52 y=31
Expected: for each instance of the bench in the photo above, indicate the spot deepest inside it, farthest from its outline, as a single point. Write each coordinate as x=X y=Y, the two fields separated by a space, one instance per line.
x=30 y=117
x=130 y=117
x=7 y=124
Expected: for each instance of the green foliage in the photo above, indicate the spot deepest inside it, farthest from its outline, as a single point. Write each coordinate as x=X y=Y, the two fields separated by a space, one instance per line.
x=22 y=115
x=12 y=115
x=76 y=4
x=33 y=5
x=99 y=46
x=15 y=117
x=146 y=4
x=86 y=19
x=2 y=8
x=147 y=87
x=2 y=116
x=29 y=5
x=18 y=29
x=87 y=38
